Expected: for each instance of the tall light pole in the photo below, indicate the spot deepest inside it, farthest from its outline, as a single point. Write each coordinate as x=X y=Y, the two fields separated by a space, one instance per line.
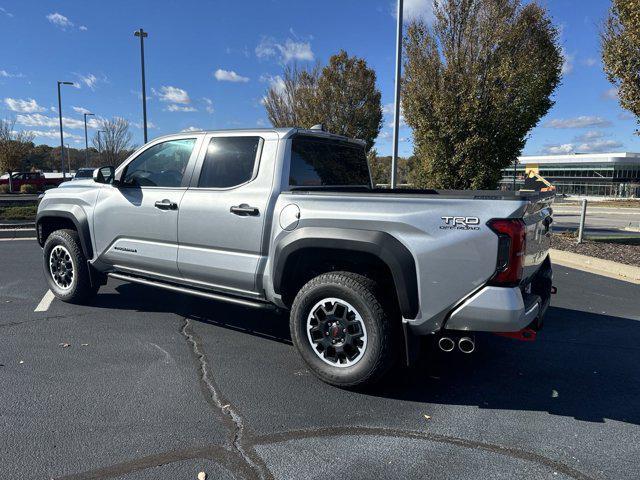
x=86 y=140
x=60 y=118
x=396 y=106
x=142 y=34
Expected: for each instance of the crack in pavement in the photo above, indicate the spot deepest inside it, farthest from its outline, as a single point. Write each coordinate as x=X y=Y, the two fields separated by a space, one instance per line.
x=234 y=422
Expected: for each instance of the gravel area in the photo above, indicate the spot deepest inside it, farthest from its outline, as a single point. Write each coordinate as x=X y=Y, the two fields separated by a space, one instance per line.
x=627 y=253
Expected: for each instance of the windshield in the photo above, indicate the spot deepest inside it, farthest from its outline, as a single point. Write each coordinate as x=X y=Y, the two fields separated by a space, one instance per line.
x=317 y=162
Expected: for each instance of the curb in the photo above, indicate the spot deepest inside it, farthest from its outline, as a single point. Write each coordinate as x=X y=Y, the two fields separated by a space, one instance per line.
x=9 y=233
x=598 y=266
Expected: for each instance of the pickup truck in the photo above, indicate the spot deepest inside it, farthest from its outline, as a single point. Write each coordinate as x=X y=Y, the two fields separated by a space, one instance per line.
x=289 y=219
x=37 y=179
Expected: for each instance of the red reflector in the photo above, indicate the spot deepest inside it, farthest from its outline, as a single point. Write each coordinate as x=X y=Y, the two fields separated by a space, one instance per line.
x=511 y=251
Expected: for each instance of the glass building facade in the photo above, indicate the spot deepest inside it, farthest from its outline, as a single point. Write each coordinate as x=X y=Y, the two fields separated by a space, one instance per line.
x=603 y=174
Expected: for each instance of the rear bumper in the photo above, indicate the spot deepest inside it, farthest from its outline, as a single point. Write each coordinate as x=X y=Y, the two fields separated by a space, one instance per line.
x=497 y=309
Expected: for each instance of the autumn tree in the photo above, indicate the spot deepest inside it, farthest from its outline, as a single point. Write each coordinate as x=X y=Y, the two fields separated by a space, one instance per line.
x=621 y=52
x=14 y=147
x=476 y=81
x=343 y=96
x=114 y=143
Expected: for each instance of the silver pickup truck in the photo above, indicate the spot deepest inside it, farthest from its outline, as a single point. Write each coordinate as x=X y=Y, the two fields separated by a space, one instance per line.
x=289 y=218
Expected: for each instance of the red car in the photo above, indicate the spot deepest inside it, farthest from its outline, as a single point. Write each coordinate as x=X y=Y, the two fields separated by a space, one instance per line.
x=31 y=178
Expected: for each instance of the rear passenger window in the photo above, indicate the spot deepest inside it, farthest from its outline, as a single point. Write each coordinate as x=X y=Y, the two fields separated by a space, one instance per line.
x=229 y=161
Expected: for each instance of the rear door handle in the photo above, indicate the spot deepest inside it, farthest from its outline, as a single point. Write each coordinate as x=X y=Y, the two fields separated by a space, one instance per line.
x=244 y=210
x=166 y=204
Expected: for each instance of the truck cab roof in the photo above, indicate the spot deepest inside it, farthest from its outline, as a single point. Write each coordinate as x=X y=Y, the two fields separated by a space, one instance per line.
x=283 y=133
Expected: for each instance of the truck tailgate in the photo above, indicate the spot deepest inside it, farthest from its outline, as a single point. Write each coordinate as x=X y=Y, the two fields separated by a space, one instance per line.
x=537 y=219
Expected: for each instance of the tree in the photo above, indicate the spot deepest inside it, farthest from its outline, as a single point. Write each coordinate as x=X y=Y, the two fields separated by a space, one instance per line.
x=343 y=96
x=290 y=98
x=621 y=52
x=476 y=82
x=14 y=147
x=114 y=143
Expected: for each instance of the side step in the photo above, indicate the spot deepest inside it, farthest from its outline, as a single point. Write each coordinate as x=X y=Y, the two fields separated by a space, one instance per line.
x=192 y=291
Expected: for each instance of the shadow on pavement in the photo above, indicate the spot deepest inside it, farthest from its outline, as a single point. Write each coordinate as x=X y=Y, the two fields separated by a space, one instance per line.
x=583 y=365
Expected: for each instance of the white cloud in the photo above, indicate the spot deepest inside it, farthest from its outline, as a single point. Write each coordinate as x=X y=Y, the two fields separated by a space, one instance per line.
x=5 y=12
x=415 y=10
x=590 y=136
x=590 y=62
x=39 y=120
x=276 y=82
x=139 y=125
x=55 y=134
x=610 y=94
x=208 y=104
x=563 y=149
x=171 y=94
x=229 y=76
x=23 y=106
x=567 y=62
x=83 y=28
x=59 y=20
x=180 y=108
x=191 y=129
x=81 y=110
x=88 y=80
x=578 y=122
x=5 y=74
x=261 y=122
x=288 y=51
x=596 y=146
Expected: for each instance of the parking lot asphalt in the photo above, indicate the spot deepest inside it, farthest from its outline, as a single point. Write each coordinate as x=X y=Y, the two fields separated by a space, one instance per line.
x=145 y=384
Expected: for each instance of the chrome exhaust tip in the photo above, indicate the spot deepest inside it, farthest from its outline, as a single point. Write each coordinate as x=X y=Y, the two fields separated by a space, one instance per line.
x=466 y=345
x=446 y=344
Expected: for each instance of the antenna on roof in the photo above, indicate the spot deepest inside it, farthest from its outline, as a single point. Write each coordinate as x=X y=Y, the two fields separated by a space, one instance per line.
x=319 y=126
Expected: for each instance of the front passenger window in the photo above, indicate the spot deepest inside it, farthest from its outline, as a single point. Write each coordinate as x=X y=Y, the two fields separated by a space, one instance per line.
x=162 y=165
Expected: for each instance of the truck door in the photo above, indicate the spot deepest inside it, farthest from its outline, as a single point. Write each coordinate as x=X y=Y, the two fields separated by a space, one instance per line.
x=222 y=215
x=136 y=222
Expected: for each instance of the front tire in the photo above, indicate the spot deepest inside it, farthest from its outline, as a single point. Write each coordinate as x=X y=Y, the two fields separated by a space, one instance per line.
x=344 y=330
x=66 y=269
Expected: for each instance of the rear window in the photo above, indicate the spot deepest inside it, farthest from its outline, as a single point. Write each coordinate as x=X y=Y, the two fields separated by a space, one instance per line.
x=327 y=163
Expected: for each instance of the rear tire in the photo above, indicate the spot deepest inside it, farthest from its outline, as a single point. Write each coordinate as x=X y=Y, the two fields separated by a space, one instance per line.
x=344 y=330
x=66 y=269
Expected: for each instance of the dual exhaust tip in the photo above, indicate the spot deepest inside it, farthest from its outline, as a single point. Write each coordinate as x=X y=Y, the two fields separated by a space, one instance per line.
x=465 y=344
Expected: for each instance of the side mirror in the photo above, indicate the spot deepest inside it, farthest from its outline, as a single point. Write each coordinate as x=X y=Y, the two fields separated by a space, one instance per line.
x=104 y=174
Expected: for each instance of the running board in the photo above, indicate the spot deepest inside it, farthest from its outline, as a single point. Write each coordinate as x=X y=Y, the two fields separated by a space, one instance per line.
x=191 y=291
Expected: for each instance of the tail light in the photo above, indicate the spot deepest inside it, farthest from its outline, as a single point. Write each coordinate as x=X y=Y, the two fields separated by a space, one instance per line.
x=511 y=250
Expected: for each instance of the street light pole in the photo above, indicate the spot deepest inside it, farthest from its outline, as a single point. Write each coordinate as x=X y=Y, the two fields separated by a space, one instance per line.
x=396 y=119
x=60 y=118
x=86 y=140
x=142 y=34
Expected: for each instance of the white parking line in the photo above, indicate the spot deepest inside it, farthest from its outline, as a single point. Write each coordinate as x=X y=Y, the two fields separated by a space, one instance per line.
x=17 y=238
x=44 y=304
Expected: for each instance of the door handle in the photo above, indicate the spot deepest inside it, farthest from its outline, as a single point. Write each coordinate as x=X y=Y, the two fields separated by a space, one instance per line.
x=166 y=204
x=244 y=210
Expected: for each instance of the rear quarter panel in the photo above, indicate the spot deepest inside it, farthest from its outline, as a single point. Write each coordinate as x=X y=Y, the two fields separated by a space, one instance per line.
x=451 y=263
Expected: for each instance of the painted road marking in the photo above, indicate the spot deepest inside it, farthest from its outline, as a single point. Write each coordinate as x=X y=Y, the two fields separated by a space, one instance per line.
x=19 y=238
x=45 y=303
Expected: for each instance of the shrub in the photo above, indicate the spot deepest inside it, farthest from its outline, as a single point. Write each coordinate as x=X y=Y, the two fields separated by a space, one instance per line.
x=28 y=188
x=18 y=213
x=4 y=188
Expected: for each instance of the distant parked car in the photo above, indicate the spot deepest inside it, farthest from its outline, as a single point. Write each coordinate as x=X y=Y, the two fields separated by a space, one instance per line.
x=37 y=179
x=83 y=174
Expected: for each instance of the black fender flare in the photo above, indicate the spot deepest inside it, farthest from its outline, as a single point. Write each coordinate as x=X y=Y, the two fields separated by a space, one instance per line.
x=77 y=216
x=381 y=244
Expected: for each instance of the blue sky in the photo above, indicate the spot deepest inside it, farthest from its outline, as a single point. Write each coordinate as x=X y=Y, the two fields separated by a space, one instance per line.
x=209 y=64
